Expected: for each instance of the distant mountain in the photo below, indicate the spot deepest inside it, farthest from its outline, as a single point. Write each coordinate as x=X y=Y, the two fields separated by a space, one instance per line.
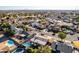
x=32 y=11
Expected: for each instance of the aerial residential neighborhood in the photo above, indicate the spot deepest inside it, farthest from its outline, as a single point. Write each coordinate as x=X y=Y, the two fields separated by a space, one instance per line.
x=39 y=31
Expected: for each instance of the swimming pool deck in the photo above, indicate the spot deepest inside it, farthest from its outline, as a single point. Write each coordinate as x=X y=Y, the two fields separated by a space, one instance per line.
x=3 y=44
x=1 y=35
x=4 y=47
x=18 y=41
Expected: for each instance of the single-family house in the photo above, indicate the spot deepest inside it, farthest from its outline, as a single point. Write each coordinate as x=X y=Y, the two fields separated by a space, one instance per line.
x=17 y=30
x=62 y=47
x=42 y=39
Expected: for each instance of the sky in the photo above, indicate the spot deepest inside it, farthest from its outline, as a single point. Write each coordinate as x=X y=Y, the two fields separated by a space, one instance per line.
x=39 y=4
x=36 y=8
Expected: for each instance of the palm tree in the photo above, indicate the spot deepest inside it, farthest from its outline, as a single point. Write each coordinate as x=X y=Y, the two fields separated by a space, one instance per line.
x=44 y=49
x=40 y=49
x=6 y=26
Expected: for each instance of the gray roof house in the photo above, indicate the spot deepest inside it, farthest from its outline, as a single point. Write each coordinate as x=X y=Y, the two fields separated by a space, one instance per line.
x=17 y=30
x=62 y=47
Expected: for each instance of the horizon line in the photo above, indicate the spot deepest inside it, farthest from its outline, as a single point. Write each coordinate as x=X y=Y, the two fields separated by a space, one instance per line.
x=38 y=8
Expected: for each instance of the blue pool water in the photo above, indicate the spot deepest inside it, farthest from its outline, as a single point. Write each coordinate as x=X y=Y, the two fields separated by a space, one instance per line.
x=27 y=44
x=10 y=43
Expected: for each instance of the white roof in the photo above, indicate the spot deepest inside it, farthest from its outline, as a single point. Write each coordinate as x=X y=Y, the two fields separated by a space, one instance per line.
x=64 y=23
x=22 y=35
x=38 y=41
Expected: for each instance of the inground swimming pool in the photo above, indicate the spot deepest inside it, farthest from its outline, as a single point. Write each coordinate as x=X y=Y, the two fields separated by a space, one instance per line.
x=10 y=43
x=27 y=44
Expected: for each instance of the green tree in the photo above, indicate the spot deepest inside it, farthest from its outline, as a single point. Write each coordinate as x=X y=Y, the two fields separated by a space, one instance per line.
x=31 y=50
x=62 y=35
x=14 y=15
x=5 y=26
x=10 y=32
x=44 y=49
x=2 y=15
x=77 y=19
x=40 y=49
